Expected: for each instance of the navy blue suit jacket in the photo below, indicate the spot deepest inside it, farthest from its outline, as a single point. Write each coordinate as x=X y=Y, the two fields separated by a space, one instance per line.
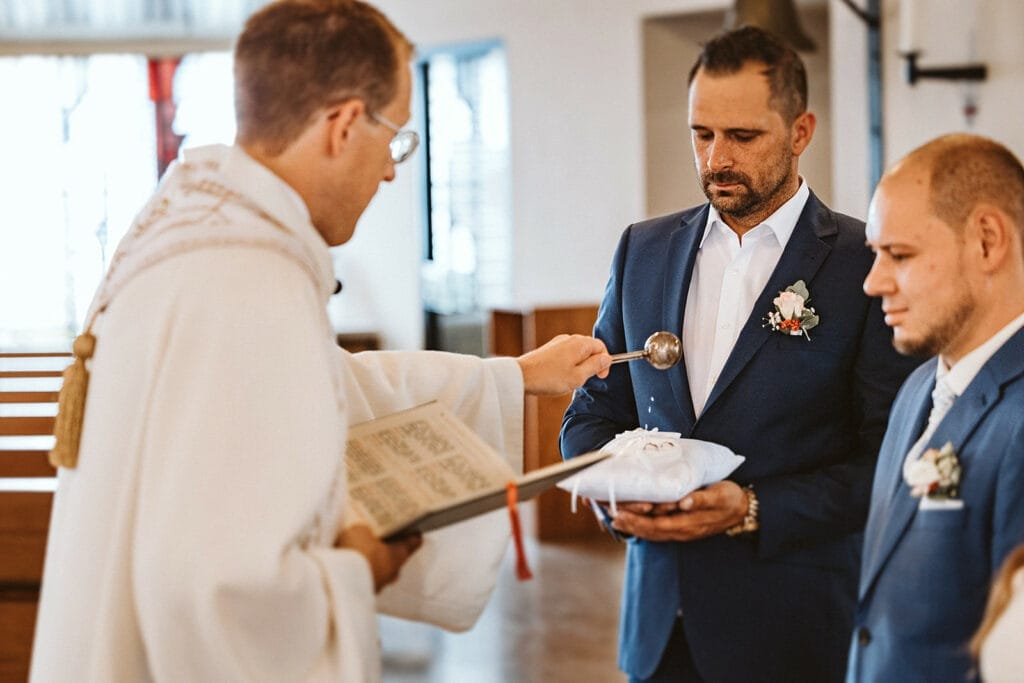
x=808 y=414
x=926 y=573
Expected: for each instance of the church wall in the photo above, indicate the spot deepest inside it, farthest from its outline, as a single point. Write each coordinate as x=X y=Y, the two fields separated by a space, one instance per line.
x=590 y=152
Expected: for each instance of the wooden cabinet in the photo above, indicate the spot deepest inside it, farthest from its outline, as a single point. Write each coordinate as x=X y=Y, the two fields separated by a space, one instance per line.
x=514 y=333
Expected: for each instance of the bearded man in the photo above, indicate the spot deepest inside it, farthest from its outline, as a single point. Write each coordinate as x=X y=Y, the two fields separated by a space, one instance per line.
x=785 y=360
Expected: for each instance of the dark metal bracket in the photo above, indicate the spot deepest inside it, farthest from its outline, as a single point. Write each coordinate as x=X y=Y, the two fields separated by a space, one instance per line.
x=966 y=72
x=870 y=19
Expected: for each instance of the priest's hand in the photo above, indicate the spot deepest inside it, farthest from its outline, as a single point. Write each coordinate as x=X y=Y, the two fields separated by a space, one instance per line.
x=385 y=558
x=563 y=364
x=706 y=512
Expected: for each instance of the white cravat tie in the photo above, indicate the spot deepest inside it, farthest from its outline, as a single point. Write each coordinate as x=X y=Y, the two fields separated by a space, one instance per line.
x=942 y=399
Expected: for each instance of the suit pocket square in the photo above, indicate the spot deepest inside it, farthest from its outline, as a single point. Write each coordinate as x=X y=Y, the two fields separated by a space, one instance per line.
x=940 y=504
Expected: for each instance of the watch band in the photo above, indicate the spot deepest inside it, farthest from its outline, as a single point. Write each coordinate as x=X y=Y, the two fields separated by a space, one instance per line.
x=749 y=523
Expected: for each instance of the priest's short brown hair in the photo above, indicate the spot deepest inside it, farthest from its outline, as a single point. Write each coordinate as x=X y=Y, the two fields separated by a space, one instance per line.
x=297 y=57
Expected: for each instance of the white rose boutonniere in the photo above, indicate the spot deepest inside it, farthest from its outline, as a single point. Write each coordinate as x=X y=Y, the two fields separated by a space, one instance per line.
x=792 y=315
x=935 y=475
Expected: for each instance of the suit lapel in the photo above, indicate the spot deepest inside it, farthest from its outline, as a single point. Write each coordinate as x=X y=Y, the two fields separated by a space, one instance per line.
x=682 y=255
x=956 y=427
x=891 y=503
x=801 y=259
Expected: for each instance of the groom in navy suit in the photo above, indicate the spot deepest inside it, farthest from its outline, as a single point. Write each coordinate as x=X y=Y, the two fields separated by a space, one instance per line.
x=947 y=227
x=754 y=578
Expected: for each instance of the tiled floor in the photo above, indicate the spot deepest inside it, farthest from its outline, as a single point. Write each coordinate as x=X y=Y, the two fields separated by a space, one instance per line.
x=561 y=626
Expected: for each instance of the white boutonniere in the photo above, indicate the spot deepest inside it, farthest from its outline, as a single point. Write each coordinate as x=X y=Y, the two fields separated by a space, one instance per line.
x=935 y=475
x=792 y=315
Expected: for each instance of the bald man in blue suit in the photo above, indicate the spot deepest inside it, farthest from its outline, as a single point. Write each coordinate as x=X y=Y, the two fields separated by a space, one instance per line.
x=947 y=228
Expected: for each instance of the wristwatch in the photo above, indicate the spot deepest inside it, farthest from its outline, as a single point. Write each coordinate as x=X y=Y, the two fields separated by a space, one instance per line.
x=749 y=523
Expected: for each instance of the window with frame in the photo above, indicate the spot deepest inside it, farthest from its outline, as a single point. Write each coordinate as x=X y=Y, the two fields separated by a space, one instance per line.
x=81 y=159
x=468 y=241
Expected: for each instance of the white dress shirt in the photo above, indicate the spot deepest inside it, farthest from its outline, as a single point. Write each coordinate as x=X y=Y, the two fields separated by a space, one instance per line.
x=729 y=275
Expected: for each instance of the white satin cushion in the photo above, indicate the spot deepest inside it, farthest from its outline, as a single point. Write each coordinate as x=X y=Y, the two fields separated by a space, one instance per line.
x=653 y=466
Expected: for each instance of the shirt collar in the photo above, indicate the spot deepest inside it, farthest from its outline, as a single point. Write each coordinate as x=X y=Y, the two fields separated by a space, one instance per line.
x=266 y=189
x=959 y=376
x=781 y=223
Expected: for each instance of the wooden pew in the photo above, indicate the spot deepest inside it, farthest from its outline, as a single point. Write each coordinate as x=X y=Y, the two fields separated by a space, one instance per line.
x=29 y=384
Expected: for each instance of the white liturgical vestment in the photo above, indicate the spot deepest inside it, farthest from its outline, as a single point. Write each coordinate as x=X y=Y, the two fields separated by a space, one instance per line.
x=194 y=540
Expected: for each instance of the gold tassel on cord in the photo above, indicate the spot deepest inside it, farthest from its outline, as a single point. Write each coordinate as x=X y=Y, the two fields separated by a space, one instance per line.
x=67 y=428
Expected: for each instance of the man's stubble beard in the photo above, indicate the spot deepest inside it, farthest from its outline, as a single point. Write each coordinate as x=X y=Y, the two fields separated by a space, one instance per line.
x=943 y=331
x=751 y=201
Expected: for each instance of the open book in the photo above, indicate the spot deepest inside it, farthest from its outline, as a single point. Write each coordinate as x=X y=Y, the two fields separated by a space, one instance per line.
x=423 y=468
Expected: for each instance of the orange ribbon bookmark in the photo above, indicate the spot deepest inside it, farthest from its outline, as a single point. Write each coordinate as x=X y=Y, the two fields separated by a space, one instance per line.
x=523 y=572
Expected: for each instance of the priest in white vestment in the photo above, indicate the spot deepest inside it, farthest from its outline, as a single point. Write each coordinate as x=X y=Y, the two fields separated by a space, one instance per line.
x=203 y=533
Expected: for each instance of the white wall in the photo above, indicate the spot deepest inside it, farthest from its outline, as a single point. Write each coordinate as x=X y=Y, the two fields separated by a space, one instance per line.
x=948 y=32
x=577 y=155
x=957 y=32
x=579 y=137
x=849 y=144
x=671 y=45
x=379 y=268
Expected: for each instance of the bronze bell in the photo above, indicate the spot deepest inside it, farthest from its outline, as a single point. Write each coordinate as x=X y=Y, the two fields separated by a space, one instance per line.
x=776 y=16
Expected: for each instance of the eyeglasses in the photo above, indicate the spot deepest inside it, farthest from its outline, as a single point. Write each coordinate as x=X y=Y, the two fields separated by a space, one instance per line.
x=403 y=144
